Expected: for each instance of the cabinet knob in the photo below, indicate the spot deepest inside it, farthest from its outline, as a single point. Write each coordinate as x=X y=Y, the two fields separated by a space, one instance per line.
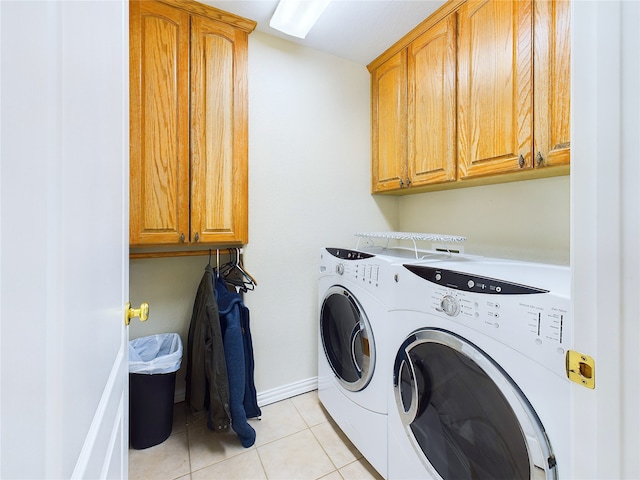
x=401 y=183
x=196 y=237
x=521 y=161
x=182 y=237
x=539 y=159
x=408 y=182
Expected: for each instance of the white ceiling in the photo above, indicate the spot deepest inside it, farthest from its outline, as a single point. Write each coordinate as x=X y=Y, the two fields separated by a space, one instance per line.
x=357 y=30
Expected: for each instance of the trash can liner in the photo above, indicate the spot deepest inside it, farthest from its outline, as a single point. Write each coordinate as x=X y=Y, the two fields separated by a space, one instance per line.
x=155 y=354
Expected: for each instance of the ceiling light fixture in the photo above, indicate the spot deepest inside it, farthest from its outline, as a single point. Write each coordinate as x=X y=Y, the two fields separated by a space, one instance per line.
x=297 y=17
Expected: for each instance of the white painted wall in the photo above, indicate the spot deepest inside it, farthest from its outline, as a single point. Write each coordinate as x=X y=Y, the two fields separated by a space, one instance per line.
x=309 y=154
x=526 y=220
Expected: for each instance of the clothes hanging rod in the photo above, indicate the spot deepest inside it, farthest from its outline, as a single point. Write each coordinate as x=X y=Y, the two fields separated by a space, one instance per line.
x=183 y=253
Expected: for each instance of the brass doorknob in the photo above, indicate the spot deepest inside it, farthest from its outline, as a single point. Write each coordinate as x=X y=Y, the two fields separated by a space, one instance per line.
x=142 y=312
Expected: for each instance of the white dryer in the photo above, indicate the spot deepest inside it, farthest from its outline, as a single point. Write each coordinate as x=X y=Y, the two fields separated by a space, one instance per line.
x=355 y=289
x=479 y=385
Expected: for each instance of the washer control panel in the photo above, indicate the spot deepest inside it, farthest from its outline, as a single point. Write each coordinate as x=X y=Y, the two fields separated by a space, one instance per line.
x=471 y=283
x=449 y=305
x=531 y=320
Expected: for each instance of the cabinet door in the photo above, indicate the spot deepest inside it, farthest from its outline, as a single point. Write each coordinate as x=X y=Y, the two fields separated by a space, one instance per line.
x=219 y=197
x=552 y=58
x=432 y=105
x=495 y=101
x=389 y=124
x=159 y=125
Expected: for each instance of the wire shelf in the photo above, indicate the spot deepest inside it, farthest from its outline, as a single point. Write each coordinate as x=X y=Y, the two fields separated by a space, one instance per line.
x=412 y=236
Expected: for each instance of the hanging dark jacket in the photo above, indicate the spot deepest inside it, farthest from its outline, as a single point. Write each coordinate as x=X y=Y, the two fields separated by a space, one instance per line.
x=207 y=377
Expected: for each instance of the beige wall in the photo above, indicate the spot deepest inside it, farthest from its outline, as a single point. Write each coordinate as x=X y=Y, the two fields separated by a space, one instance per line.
x=169 y=285
x=528 y=220
x=309 y=155
x=308 y=187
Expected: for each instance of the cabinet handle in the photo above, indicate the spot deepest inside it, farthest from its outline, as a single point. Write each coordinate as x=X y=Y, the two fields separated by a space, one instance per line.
x=521 y=161
x=408 y=182
x=182 y=237
x=539 y=159
x=401 y=183
x=196 y=237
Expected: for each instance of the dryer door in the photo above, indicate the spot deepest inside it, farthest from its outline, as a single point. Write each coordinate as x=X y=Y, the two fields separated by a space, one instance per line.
x=464 y=415
x=347 y=338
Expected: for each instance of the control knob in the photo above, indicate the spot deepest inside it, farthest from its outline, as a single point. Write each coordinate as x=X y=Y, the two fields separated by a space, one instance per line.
x=450 y=305
x=340 y=268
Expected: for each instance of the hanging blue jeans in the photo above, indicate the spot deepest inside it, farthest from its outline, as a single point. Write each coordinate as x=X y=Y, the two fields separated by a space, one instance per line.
x=229 y=304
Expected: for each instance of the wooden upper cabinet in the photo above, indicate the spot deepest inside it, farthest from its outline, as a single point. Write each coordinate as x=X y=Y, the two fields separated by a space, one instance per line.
x=414 y=115
x=495 y=96
x=159 y=123
x=477 y=93
x=389 y=124
x=188 y=124
x=218 y=133
x=432 y=105
x=552 y=80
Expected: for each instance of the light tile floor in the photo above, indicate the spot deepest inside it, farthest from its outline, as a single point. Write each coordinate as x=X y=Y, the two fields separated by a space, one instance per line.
x=295 y=439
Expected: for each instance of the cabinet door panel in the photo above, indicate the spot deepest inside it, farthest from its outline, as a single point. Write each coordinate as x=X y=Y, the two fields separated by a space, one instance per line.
x=218 y=133
x=389 y=123
x=495 y=87
x=432 y=105
x=159 y=190
x=552 y=59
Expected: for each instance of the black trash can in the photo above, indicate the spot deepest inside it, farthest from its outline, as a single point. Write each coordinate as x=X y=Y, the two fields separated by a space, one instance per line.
x=153 y=362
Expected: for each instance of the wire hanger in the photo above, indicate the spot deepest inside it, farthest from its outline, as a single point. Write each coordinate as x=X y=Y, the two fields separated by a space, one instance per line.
x=242 y=269
x=235 y=274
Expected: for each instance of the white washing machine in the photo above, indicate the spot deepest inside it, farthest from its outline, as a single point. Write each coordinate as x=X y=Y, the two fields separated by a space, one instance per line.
x=355 y=289
x=479 y=386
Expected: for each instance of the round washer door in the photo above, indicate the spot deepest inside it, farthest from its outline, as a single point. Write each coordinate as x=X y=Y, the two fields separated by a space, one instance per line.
x=464 y=415
x=347 y=338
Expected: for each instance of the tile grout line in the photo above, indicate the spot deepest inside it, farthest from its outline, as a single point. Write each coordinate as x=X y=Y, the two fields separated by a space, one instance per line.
x=335 y=467
x=264 y=470
x=186 y=427
x=310 y=428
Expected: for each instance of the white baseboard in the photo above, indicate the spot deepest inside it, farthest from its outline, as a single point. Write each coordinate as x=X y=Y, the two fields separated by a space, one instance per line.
x=275 y=394
x=287 y=391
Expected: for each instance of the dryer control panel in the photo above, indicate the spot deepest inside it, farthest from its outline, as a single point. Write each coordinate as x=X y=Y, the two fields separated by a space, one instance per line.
x=346 y=254
x=360 y=268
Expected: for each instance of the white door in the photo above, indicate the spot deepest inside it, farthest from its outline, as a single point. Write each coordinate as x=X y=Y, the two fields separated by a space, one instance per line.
x=64 y=239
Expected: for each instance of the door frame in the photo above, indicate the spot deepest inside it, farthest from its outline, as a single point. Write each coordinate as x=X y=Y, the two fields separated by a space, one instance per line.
x=605 y=225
